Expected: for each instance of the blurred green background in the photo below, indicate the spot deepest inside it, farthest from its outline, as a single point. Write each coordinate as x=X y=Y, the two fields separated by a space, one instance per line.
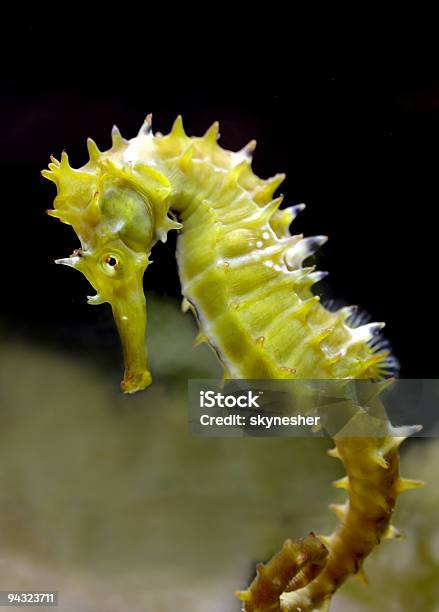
x=108 y=500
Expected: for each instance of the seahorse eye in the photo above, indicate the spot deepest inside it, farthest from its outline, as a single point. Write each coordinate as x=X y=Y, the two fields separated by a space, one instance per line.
x=111 y=261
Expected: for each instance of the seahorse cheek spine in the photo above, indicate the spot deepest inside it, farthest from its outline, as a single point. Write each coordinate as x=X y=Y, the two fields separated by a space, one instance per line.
x=243 y=276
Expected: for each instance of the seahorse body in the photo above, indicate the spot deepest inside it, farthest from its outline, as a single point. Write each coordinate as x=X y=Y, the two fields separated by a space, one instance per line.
x=242 y=275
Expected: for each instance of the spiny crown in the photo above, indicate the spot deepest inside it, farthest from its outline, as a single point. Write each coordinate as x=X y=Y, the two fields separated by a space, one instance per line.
x=237 y=165
x=84 y=194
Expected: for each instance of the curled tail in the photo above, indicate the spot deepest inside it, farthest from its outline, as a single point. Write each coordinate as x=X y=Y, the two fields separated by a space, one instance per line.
x=373 y=484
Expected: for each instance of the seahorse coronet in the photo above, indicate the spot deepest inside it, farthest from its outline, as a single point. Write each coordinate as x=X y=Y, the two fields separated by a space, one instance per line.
x=248 y=281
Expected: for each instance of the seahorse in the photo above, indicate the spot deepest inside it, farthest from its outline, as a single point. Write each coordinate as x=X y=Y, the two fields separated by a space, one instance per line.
x=244 y=277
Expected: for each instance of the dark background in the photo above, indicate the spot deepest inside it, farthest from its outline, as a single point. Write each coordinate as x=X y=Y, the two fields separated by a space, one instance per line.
x=358 y=141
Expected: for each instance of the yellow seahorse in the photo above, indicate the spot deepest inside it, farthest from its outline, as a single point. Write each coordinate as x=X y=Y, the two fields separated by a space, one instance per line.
x=242 y=276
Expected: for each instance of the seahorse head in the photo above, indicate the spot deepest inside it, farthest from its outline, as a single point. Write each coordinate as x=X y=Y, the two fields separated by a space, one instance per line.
x=118 y=209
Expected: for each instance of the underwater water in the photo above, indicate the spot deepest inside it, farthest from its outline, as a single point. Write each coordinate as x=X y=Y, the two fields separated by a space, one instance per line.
x=107 y=499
